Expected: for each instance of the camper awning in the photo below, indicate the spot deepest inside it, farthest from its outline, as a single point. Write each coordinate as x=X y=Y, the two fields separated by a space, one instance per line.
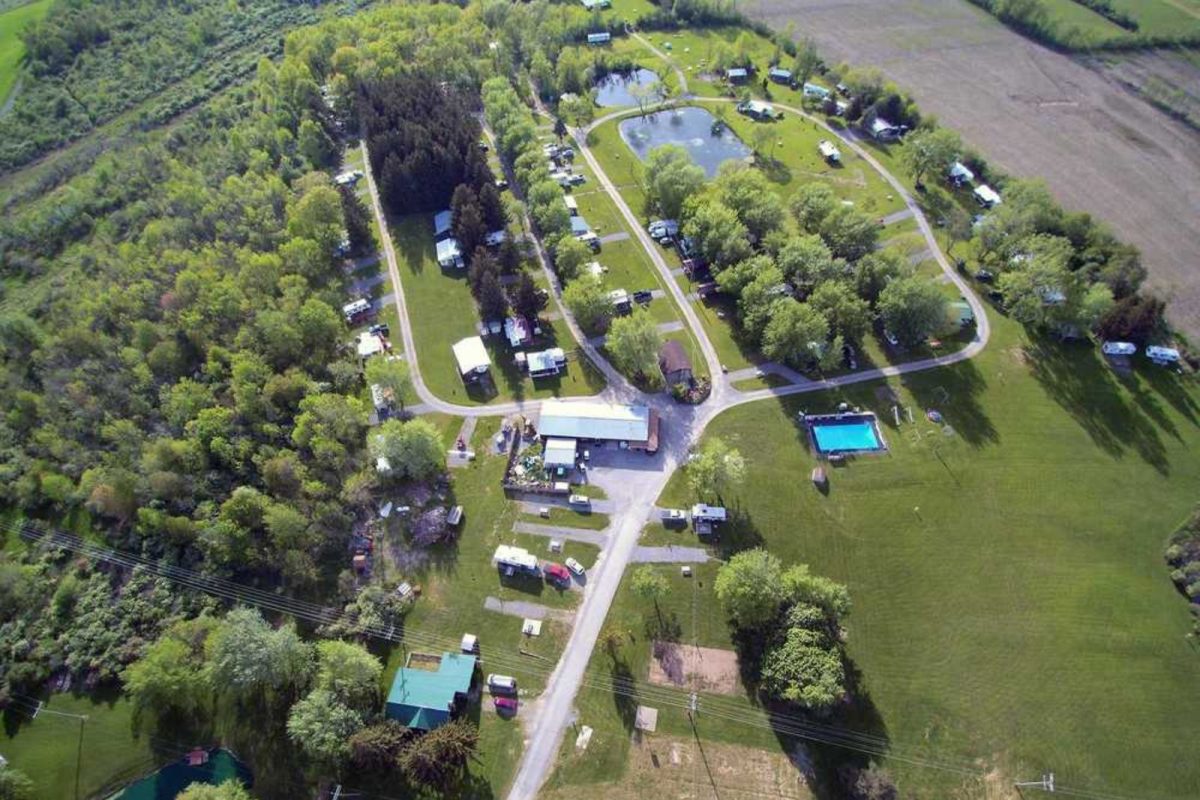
x=471 y=356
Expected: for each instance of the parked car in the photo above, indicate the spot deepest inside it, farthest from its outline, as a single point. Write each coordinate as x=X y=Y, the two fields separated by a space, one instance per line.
x=674 y=515
x=579 y=500
x=985 y=276
x=891 y=338
x=575 y=567
x=381 y=329
x=849 y=355
x=556 y=572
x=501 y=184
x=643 y=296
x=502 y=683
x=506 y=704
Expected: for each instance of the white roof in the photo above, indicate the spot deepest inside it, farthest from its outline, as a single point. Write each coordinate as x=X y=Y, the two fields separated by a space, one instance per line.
x=441 y=222
x=369 y=344
x=495 y=238
x=590 y=420
x=546 y=360
x=471 y=355
x=559 y=453
x=448 y=251
x=879 y=125
x=1118 y=348
x=357 y=307
x=706 y=512
x=1158 y=353
x=987 y=194
x=517 y=556
x=516 y=330
x=572 y=203
x=759 y=107
x=959 y=170
x=618 y=297
x=828 y=149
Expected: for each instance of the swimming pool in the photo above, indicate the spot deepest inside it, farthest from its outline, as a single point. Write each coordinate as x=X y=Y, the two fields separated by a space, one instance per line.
x=854 y=433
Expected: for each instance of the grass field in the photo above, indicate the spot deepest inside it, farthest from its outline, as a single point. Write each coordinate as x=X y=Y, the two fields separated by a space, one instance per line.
x=442 y=311
x=12 y=49
x=1011 y=607
x=571 y=518
x=45 y=748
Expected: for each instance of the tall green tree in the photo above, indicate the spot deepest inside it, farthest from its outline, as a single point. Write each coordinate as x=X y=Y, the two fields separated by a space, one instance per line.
x=413 y=449
x=671 y=177
x=246 y=656
x=322 y=725
x=633 y=344
x=750 y=588
x=350 y=673
x=715 y=469
x=930 y=151
x=649 y=584
x=797 y=334
x=912 y=308
x=589 y=303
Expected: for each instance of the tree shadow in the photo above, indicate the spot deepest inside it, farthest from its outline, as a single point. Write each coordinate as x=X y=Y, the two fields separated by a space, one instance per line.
x=739 y=532
x=663 y=628
x=1073 y=375
x=1171 y=386
x=624 y=693
x=954 y=392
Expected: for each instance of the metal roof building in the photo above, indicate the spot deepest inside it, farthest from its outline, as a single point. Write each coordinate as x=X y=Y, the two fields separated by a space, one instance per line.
x=637 y=425
x=559 y=453
x=471 y=356
x=425 y=699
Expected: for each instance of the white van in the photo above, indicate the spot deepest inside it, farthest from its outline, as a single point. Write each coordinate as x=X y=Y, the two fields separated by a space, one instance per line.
x=501 y=683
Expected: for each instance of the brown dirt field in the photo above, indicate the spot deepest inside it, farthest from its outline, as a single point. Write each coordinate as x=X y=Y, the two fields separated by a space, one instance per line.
x=702 y=669
x=664 y=767
x=1032 y=112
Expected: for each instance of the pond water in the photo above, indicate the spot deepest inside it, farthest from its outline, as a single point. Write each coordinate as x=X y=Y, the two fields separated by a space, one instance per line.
x=689 y=127
x=614 y=88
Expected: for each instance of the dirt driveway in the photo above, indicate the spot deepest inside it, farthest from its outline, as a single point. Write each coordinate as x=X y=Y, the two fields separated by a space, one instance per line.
x=1032 y=112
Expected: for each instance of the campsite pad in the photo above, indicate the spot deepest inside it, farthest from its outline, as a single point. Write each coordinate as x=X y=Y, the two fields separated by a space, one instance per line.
x=702 y=668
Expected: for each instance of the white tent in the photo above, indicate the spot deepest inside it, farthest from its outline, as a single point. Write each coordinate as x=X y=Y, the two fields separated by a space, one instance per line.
x=472 y=356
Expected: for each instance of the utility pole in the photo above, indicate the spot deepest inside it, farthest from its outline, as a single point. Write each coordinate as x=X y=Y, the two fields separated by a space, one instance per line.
x=1046 y=784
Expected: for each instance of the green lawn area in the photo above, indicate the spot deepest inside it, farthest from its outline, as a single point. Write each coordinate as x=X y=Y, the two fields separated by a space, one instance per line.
x=1009 y=572
x=1165 y=17
x=571 y=518
x=12 y=48
x=442 y=311
x=45 y=748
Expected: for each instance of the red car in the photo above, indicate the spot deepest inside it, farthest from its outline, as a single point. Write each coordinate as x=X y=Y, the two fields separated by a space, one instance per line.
x=508 y=704
x=557 y=572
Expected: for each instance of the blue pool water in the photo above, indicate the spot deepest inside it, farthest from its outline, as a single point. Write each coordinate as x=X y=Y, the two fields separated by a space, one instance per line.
x=846 y=436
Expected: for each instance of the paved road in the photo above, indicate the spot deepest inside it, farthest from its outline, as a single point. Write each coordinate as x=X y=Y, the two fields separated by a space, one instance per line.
x=671 y=554
x=570 y=534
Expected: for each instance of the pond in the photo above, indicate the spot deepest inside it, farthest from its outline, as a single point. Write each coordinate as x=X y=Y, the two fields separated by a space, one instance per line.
x=689 y=127
x=615 y=89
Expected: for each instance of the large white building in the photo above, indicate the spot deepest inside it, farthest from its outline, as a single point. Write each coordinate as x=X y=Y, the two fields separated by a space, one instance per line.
x=636 y=426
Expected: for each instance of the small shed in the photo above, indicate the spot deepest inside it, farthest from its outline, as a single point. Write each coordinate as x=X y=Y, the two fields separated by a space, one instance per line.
x=960 y=313
x=559 y=452
x=442 y=222
x=819 y=478
x=454 y=516
x=674 y=362
x=737 y=75
x=470 y=643
x=603 y=37
x=572 y=205
x=646 y=719
x=829 y=151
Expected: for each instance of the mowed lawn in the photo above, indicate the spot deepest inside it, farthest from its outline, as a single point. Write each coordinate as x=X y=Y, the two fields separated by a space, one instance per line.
x=45 y=748
x=442 y=312
x=1012 y=610
x=12 y=48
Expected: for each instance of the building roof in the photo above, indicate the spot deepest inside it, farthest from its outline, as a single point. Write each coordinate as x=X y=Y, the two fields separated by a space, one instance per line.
x=442 y=221
x=1118 y=348
x=987 y=194
x=815 y=90
x=1160 y=353
x=559 y=453
x=759 y=108
x=736 y=72
x=599 y=37
x=571 y=203
x=546 y=360
x=507 y=554
x=471 y=355
x=780 y=72
x=422 y=698
x=714 y=513
x=579 y=225
x=960 y=172
x=516 y=330
x=673 y=358
x=495 y=238
x=591 y=420
x=369 y=344
x=828 y=149
x=879 y=125
x=448 y=251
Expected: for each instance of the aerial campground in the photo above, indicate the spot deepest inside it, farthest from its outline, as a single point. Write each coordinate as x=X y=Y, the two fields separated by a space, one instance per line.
x=559 y=399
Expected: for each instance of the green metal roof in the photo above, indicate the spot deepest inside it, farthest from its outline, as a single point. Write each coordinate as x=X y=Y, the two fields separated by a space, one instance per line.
x=422 y=698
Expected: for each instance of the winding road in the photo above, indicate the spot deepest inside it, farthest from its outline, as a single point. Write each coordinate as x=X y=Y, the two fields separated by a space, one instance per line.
x=681 y=426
